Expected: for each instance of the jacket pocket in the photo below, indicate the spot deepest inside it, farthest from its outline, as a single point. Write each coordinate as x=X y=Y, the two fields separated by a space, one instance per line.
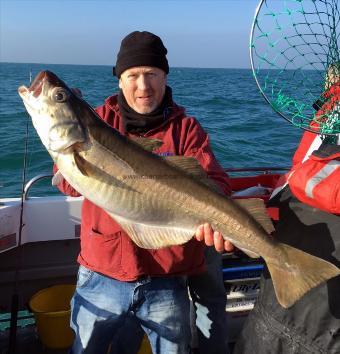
x=102 y=252
x=115 y=233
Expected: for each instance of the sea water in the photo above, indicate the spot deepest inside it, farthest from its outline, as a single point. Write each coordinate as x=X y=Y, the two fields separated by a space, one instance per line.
x=244 y=130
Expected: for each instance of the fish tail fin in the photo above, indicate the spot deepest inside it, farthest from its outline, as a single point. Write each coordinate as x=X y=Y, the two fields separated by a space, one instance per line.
x=297 y=274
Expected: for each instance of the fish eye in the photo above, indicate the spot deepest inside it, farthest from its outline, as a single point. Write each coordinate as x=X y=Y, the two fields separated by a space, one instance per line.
x=59 y=95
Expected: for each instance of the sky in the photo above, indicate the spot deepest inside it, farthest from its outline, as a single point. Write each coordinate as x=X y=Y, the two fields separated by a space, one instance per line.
x=197 y=33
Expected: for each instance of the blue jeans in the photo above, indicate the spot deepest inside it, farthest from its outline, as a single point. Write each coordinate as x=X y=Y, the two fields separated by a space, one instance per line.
x=101 y=306
x=209 y=316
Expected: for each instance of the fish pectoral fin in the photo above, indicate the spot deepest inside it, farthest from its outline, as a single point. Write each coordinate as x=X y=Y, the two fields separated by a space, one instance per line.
x=257 y=209
x=83 y=166
x=147 y=144
x=297 y=273
x=57 y=178
x=153 y=236
x=90 y=170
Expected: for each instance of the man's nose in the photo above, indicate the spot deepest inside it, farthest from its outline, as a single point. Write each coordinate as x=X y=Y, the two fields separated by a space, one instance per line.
x=143 y=82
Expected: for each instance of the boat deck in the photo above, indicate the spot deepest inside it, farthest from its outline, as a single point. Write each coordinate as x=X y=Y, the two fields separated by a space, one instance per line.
x=27 y=342
x=48 y=257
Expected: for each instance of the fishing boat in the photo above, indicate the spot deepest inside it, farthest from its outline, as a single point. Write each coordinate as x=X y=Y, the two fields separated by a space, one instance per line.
x=39 y=243
x=39 y=236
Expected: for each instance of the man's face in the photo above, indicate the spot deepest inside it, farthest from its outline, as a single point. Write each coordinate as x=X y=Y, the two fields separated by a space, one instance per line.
x=143 y=88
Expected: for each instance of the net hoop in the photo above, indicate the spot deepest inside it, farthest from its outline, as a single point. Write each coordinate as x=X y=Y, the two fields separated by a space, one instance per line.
x=311 y=122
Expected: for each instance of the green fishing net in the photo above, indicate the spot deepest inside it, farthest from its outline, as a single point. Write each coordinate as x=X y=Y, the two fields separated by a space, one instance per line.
x=294 y=49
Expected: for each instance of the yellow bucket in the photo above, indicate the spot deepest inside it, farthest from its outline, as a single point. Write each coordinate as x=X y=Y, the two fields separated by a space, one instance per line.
x=145 y=347
x=51 y=308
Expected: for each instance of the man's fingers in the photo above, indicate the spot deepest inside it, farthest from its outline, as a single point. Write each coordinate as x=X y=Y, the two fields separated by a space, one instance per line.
x=213 y=238
x=218 y=242
x=228 y=246
x=200 y=233
x=208 y=235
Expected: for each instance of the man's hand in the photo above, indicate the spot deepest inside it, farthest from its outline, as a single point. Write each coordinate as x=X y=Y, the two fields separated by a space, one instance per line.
x=213 y=238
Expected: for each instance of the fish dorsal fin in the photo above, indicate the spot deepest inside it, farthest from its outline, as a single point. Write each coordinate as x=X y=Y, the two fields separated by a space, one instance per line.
x=257 y=209
x=193 y=167
x=187 y=164
x=147 y=144
x=153 y=236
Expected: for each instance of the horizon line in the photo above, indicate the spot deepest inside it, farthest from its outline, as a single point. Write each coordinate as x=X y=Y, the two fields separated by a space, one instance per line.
x=171 y=67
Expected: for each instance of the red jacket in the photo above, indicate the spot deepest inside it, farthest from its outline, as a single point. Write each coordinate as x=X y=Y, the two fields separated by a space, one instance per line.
x=315 y=176
x=106 y=248
x=310 y=141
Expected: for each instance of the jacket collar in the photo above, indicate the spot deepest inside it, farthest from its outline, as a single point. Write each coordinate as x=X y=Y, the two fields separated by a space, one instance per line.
x=176 y=112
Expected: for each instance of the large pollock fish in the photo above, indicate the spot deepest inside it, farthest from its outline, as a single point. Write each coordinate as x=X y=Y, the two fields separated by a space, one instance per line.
x=158 y=201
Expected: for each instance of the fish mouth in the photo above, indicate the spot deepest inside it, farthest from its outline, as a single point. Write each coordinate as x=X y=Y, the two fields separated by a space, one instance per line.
x=35 y=89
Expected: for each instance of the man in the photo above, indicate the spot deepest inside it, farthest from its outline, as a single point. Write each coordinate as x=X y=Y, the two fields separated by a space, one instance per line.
x=118 y=281
x=309 y=218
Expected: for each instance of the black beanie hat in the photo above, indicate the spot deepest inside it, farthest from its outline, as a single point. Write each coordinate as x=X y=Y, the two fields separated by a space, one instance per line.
x=141 y=49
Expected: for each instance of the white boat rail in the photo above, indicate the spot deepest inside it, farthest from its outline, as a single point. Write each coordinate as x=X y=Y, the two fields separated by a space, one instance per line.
x=264 y=170
x=32 y=181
